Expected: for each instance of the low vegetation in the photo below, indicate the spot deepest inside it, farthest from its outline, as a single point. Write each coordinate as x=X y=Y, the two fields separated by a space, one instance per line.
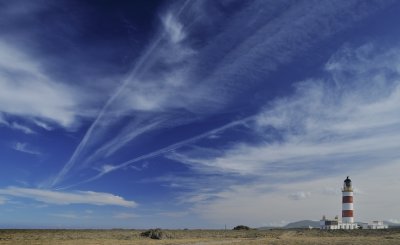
x=241 y=227
x=156 y=234
x=203 y=237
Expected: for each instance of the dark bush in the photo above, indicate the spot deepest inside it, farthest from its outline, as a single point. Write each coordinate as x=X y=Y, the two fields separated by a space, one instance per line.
x=241 y=227
x=155 y=234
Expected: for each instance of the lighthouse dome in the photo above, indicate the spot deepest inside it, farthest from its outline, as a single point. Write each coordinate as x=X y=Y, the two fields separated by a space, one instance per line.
x=347 y=182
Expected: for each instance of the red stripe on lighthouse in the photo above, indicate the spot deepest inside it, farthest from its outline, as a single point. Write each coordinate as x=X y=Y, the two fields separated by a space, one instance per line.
x=347 y=199
x=347 y=213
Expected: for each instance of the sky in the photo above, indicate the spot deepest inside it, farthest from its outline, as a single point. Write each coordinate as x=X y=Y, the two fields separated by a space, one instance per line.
x=197 y=114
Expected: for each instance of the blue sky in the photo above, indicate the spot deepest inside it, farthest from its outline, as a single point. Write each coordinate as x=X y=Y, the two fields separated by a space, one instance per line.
x=197 y=114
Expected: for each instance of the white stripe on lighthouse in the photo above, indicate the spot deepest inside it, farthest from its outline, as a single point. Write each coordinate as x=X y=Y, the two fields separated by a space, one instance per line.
x=347 y=206
x=347 y=193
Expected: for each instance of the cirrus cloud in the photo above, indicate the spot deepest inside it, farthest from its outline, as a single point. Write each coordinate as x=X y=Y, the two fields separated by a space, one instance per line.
x=27 y=91
x=66 y=198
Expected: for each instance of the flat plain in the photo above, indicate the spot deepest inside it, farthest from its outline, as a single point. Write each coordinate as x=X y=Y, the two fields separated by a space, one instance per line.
x=201 y=237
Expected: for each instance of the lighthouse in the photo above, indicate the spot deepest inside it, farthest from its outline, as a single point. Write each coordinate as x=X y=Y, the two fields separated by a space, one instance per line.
x=347 y=222
x=347 y=202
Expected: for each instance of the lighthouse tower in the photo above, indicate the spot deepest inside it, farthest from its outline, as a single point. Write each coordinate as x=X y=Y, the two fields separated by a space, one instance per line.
x=347 y=202
x=347 y=222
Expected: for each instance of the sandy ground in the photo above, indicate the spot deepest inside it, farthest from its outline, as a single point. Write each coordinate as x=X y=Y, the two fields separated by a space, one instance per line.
x=200 y=237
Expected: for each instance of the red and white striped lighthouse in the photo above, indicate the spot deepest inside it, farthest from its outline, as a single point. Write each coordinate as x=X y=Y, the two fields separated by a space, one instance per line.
x=347 y=202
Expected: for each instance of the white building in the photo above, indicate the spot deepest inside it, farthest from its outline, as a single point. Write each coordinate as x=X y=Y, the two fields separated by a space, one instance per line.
x=374 y=225
x=336 y=224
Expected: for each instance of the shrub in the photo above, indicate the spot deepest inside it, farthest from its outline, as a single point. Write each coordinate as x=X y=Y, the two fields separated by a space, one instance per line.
x=241 y=227
x=155 y=234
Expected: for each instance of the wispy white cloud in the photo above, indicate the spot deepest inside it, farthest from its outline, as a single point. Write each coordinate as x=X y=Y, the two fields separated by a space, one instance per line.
x=15 y=9
x=105 y=169
x=125 y=216
x=25 y=148
x=174 y=214
x=177 y=69
x=268 y=202
x=2 y=120
x=2 y=200
x=15 y=126
x=22 y=128
x=331 y=191
x=26 y=91
x=129 y=132
x=135 y=96
x=324 y=122
x=173 y=28
x=262 y=202
x=66 y=198
x=300 y=195
x=181 y=78
x=43 y=125
x=140 y=167
x=67 y=215
x=346 y=123
x=73 y=215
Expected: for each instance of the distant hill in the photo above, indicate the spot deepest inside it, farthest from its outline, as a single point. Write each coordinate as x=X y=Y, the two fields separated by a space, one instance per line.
x=302 y=224
x=391 y=224
x=293 y=225
x=269 y=227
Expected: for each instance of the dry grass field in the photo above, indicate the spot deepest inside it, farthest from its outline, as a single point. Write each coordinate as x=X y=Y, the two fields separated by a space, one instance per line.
x=200 y=237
